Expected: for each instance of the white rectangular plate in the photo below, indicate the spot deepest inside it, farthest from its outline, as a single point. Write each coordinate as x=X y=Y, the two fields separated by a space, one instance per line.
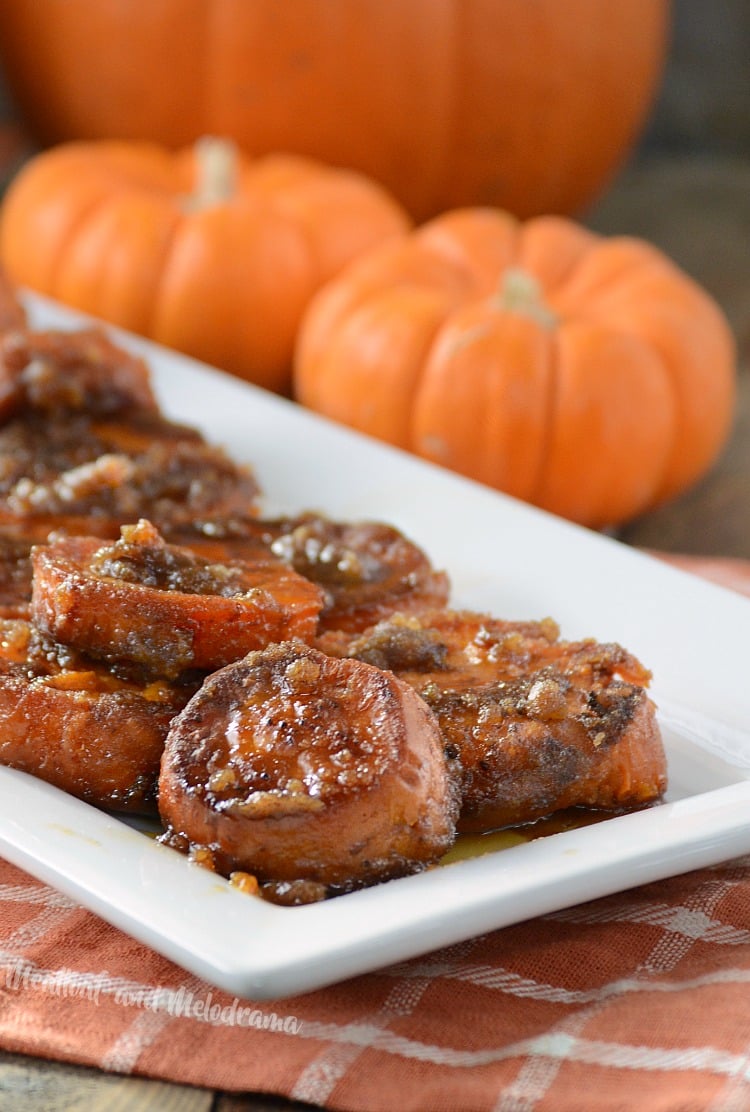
x=503 y=557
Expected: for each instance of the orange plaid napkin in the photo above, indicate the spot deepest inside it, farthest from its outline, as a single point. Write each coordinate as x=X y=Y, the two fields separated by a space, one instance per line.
x=640 y=1000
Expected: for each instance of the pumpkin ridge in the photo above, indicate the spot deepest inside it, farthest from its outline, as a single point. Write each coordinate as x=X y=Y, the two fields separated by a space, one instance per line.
x=677 y=425
x=478 y=405
x=218 y=304
x=305 y=201
x=72 y=231
x=53 y=231
x=120 y=176
x=549 y=408
x=552 y=248
x=672 y=442
x=416 y=379
x=163 y=268
x=586 y=286
x=659 y=483
x=548 y=321
x=646 y=479
x=451 y=239
x=690 y=454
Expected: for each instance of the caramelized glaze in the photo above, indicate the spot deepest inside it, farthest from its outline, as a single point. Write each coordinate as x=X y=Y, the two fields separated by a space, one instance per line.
x=296 y=767
x=530 y=724
x=158 y=605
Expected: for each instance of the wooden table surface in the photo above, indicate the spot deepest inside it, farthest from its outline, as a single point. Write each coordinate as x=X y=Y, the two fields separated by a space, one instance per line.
x=698 y=211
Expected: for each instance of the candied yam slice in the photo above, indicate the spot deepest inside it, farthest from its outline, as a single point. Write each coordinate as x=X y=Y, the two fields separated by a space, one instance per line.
x=366 y=569
x=118 y=469
x=531 y=724
x=81 y=727
x=301 y=769
x=56 y=372
x=161 y=606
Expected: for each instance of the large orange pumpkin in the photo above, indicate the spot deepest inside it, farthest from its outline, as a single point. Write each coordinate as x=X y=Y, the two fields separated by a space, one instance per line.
x=203 y=250
x=586 y=375
x=529 y=106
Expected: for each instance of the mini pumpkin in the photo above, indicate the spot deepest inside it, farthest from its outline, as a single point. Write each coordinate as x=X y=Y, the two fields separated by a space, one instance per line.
x=203 y=250
x=587 y=375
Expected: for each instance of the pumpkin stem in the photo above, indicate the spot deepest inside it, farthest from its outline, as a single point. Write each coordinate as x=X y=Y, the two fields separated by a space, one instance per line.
x=520 y=292
x=216 y=163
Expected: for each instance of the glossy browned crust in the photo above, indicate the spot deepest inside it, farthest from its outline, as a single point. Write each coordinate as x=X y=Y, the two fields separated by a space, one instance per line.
x=117 y=470
x=15 y=573
x=530 y=724
x=56 y=372
x=78 y=726
x=294 y=767
x=141 y=600
x=367 y=570
x=18 y=537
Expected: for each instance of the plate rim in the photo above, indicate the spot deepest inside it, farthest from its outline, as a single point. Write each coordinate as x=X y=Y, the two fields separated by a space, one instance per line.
x=699 y=829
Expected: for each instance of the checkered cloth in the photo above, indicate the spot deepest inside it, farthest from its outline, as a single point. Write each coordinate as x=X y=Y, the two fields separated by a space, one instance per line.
x=640 y=1000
